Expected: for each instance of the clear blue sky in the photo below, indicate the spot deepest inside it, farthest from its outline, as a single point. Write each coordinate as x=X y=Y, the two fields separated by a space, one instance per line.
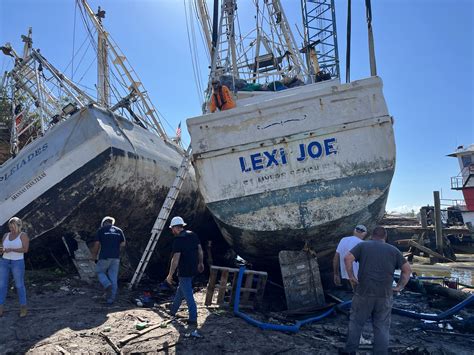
x=424 y=54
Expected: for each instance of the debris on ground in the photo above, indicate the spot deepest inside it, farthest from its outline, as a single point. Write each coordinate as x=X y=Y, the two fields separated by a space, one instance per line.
x=69 y=316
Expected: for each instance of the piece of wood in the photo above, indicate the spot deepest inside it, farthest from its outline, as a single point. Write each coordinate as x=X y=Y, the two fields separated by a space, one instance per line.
x=237 y=270
x=211 y=286
x=438 y=223
x=262 y=280
x=301 y=278
x=246 y=289
x=152 y=337
x=429 y=251
x=222 y=286
x=62 y=350
x=166 y=346
x=126 y=339
x=110 y=342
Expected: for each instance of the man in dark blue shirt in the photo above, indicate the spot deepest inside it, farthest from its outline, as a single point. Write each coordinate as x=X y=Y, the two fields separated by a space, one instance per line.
x=188 y=259
x=110 y=240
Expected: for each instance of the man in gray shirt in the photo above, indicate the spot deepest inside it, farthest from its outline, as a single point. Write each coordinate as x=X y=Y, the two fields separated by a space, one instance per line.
x=373 y=292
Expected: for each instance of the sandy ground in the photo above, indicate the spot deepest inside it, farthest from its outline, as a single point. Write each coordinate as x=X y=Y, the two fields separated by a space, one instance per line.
x=67 y=316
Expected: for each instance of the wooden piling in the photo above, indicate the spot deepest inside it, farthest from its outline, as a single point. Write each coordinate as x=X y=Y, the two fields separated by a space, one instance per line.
x=438 y=224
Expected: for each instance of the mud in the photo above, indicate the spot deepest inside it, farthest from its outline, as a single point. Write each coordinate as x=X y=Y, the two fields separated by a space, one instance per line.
x=67 y=316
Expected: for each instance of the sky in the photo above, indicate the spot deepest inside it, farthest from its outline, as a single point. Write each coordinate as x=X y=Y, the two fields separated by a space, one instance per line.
x=424 y=51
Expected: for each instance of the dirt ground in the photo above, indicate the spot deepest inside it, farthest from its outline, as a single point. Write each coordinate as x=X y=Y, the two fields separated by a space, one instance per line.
x=67 y=316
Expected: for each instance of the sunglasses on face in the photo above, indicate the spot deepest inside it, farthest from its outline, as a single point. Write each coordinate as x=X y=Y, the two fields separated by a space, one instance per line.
x=360 y=230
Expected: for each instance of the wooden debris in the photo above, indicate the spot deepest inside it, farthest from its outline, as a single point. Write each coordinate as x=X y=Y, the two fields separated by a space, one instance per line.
x=167 y=346
x=110 y=342
x=130 y=337
x=251 y=293
x=429 y=251
x=62 y=350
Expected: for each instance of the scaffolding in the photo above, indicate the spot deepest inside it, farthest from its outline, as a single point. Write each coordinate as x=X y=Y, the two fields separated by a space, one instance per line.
x=319 y=20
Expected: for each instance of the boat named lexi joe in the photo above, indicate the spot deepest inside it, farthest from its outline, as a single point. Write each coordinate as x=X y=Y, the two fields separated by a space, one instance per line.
x=298 y=166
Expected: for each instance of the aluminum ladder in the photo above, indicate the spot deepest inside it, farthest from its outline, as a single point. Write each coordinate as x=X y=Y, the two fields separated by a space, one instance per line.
x=162 y=218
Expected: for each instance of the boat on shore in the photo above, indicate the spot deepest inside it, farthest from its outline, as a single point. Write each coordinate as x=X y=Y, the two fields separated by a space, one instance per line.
x=75 y=158
x=292 y=168
x=94 y=163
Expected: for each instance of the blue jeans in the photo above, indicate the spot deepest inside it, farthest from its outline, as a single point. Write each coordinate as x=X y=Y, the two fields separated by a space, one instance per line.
x=185 y=291
x=107 y=271
x=18 y=270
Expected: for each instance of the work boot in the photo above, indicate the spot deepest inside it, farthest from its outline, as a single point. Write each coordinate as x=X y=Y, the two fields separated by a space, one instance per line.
x=1 y=310
x=23 y=311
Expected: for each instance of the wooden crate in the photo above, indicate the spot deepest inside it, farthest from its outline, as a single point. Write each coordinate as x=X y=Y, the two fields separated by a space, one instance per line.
x=223 y=282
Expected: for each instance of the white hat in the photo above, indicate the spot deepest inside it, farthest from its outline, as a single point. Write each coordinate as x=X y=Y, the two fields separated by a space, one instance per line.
x=107 y=218
x=177 y=221
x=361 y=227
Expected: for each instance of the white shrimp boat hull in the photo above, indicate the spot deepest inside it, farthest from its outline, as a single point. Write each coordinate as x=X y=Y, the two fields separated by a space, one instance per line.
x=94 y=164
x=267 y=195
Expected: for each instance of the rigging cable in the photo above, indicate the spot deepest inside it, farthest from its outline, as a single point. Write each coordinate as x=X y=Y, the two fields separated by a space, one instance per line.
x=192 y=52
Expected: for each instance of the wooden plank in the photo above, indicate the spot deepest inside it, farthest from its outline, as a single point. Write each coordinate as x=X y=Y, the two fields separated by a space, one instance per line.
x=110 y=342
x=260 y=290
x=428 y=251
x=126 y=339
x=222 y=286
x=301 y=279
x=229 y=269
x=247 y=286
x=211 y=286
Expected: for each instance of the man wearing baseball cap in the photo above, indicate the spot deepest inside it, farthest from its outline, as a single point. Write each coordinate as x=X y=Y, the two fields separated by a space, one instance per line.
x=344 y=246
x=188 y=259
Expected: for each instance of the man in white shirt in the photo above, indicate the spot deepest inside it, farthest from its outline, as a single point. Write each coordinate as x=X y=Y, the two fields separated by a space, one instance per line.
x=344 y=246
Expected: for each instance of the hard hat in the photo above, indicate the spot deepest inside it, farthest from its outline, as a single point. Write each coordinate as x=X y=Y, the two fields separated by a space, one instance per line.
x=177 y=221
x=107 y=218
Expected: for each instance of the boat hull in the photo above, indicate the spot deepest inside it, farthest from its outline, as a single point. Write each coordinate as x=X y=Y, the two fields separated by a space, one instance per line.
x=92 y=165
x=304 y=165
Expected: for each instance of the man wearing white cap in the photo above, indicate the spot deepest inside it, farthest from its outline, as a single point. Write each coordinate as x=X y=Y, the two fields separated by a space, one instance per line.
x=110 y=240
x=188 y=259
x=344 y=246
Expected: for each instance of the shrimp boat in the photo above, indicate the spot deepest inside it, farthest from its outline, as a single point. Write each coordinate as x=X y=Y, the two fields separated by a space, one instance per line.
x=75 y=159
x=302 y=158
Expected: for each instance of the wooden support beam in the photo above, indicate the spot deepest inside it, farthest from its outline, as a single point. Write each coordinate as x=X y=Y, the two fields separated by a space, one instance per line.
x=428 y=251
x=438 y=223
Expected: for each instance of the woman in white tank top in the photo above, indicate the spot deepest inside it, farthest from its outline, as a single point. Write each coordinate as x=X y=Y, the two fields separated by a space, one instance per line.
x=12 y=249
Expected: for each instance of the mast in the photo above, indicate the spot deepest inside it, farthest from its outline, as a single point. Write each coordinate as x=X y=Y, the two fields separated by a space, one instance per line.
x=280 y=23
x=151 y=118
x=103 y=74
x=205 y=22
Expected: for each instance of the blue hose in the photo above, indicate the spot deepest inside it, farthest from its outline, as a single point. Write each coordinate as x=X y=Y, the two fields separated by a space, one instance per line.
x=268 y=326
x=436 y=317
x=296 y=327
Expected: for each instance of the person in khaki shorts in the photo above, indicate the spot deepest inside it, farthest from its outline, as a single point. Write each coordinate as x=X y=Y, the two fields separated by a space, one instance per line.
x=373 y=288
x=13 y=248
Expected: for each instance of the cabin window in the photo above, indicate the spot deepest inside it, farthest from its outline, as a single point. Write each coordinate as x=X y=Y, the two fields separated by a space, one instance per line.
x=466 y=160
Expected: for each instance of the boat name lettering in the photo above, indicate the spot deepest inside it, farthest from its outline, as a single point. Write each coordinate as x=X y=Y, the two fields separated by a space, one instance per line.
x=21 y=163
x=276 y=157
x=28 y=186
